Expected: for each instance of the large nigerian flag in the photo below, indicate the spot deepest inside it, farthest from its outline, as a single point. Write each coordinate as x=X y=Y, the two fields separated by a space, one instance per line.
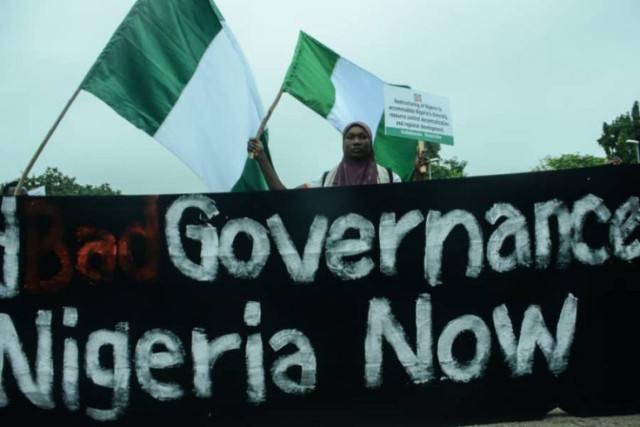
x=342 y=92
x=174 y=69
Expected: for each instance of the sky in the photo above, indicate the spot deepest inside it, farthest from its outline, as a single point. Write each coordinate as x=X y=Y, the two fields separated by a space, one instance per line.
x=524 y=80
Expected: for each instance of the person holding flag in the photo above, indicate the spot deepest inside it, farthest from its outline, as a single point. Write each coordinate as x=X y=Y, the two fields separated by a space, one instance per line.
x=357 y=167
x=351 y=99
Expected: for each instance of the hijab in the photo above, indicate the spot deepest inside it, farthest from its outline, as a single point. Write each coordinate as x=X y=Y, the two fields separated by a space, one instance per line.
x=357 y=172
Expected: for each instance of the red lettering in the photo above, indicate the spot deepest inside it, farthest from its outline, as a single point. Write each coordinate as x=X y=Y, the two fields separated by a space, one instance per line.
x=102 y=250
x=41 y=246
x=147 y=267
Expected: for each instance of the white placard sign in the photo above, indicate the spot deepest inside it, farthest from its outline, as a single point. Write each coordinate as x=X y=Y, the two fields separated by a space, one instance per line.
x=417 y=115
x=38 y=191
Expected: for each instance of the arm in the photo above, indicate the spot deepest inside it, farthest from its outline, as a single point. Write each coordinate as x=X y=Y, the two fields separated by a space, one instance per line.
x=273 y=181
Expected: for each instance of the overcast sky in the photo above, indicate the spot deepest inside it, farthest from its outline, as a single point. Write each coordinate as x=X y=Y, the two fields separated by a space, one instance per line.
x=525 y=79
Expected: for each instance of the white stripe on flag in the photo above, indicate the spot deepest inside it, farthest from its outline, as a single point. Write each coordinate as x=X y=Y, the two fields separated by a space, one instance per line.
x=221 y=91
x=359 y=96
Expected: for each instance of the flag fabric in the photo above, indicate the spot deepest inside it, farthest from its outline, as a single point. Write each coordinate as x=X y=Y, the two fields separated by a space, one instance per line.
x=174 y=69
x=342 y=92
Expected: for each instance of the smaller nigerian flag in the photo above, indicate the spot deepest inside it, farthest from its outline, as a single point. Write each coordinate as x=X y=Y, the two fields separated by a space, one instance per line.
x=342 y=92
x=174 y=69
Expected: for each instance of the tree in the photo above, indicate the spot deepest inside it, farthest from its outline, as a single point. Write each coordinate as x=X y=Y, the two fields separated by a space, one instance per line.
x=58 y=184
x=615 y=135
x=448 y=168
x=569 y=161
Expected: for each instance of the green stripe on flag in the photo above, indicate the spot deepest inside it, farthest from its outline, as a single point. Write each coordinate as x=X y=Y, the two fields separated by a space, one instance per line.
x=399 y=153
x=151 y=57
x=252 y=178
x=217 y=11
x=309 y=76
x=395 y=153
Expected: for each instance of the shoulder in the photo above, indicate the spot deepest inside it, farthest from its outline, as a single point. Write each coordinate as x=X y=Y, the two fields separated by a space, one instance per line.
x=323 y=180
x=383 y=174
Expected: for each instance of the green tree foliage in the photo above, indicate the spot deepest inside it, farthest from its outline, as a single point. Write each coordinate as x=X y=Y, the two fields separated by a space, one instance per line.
x=58 y=184
x=448 y=168
x=569 y=161
x=623 y=128
x=433 y=149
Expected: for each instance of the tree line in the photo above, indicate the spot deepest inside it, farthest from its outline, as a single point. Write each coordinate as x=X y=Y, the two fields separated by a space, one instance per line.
x=613 y=141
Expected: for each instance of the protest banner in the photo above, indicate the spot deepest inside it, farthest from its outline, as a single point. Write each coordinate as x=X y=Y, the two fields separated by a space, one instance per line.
x=468 y=300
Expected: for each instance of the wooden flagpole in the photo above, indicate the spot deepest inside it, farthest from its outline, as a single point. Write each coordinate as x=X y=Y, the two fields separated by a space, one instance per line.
x=263 y=125
x=423 y=169
x=46 y=139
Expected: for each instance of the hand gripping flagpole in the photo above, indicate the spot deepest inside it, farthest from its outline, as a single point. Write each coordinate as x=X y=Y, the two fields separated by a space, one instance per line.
x=46 y=139
x=263 y=125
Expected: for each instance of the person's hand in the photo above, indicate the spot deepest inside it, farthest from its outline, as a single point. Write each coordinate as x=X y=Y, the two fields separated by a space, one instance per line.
x=422 y=161
x=255 y=147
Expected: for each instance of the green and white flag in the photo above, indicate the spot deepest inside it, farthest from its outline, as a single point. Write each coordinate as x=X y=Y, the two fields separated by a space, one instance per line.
x=342 y=92
x=174 y=69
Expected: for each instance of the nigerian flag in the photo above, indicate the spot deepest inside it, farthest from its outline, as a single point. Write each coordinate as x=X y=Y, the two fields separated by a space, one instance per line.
x=342 y=92
x=174 y=69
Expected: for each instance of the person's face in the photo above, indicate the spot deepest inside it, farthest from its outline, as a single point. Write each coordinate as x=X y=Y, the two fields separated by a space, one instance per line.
x=356 y=143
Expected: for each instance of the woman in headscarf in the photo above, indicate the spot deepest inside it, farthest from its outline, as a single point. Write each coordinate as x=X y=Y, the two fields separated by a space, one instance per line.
x=357 y=167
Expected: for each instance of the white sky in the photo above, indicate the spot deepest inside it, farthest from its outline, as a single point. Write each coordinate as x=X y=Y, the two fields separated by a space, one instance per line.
x=525 y=79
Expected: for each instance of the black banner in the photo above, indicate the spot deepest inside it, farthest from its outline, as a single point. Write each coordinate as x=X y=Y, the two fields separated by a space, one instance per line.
x=458 y=301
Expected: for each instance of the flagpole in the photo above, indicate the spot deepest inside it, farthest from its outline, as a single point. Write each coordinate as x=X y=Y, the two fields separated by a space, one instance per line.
x=263 y=125
x=46 y=139
x=423 y=169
